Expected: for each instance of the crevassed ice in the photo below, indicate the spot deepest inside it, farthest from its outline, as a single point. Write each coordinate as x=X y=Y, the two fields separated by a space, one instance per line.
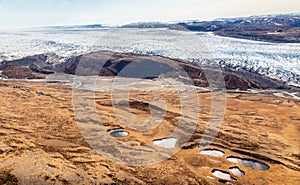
x=277 y=60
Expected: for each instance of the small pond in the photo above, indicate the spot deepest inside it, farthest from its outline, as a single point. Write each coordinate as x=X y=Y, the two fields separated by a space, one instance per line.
x=250 y=163
x=223 y=175
x=212 y=152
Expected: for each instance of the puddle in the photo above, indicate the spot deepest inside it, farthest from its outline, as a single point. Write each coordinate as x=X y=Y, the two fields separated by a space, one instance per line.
x=236 y=171
x=212 y=152
x=165 y=142
x=250 y=163
x=119 y=134
x=225 y=176
x=222 y=181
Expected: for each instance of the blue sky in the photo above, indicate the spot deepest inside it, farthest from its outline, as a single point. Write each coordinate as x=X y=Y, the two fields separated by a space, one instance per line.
x=34 y=13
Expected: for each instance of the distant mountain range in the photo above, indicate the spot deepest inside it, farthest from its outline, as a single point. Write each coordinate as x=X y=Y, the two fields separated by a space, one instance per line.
x=79 y=26
x=273 y=28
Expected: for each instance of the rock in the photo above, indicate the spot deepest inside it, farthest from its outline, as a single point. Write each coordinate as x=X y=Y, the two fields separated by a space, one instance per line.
x=37 y=69
x=189 y=145
x=18 y=72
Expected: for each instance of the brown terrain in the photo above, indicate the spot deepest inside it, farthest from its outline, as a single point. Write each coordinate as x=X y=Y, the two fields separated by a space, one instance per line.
x=43 y=142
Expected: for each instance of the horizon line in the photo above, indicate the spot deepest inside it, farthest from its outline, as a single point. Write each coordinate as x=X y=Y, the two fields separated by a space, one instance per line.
x=112 y=25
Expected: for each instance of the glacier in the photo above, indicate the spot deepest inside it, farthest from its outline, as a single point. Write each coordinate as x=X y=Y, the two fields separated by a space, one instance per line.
x=280 y=61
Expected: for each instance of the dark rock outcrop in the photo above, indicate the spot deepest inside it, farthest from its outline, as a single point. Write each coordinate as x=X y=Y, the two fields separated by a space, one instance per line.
x=105 y=63
x=38 y=69
x=19 y=72
x=36 y=63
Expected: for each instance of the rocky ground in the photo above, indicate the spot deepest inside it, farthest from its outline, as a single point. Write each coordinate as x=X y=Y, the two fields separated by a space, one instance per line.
x=42 y=140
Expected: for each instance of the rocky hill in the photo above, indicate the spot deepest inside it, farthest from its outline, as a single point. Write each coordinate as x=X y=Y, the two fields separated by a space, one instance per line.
x=105 y=63
x=273 y=28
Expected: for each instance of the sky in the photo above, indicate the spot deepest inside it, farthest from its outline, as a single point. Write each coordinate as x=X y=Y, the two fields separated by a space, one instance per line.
x=35 y=13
